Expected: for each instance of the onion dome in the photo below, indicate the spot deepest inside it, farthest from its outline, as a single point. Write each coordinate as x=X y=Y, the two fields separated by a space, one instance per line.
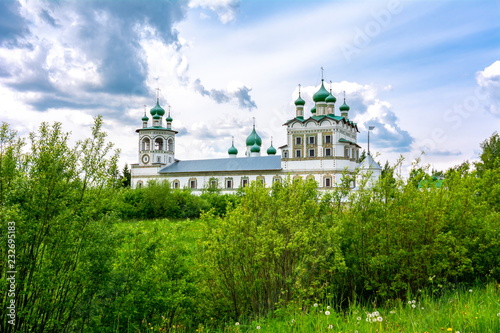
x=344 y=107
x=156 y=116
x=254 y=138
x=330 y=98
x=232 y=150
x=321 y=94
x=169 y=119
x=300 y=101
x=271 y=150
x=255 y=148
x=157 y=109
x=313 y=110
x=145 y=118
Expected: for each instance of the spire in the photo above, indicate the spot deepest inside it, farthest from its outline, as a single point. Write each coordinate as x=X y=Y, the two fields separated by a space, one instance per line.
x=144 y=119
x=232 y=151
x=344 y=108
x=271 y=150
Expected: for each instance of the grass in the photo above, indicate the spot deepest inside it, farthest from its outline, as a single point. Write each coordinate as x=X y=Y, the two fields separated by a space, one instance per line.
x=464 y=310
x=475 y=309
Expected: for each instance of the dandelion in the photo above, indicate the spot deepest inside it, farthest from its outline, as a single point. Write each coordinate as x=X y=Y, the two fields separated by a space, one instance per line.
x=392 y=312
x=330 y=326
x=315 y=305
x=414 y=301
x=413 y=306
x=258 y=327
x=380 y=318
x=237 y=324
x=409 y=302
x=293 y=320
x=327 y=313
x=498 y=314
x=359 y=318
x=470 y=290
x=449 y=329
x=328 y=307
x=376 y=314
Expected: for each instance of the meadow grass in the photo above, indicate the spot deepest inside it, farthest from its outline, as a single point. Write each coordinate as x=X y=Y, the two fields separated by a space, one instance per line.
x=465 y=309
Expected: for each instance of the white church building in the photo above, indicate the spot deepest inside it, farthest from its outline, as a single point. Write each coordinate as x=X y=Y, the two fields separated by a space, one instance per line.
x=320 y=146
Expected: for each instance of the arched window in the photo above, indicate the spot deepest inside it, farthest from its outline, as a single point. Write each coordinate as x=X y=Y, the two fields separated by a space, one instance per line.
x=192 y=183
x=176 y=184
x=146 y=143
x=261 y=180
x=159 y=144
x=170 y=144
x=277 y=179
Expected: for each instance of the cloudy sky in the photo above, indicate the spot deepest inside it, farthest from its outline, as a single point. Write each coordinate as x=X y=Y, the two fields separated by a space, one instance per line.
x=426 y=74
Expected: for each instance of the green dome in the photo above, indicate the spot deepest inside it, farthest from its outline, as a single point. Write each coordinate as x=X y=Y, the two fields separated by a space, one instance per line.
x=157 y=110
x=255 y=148
x=330 y=98
x=145 y=118
x=254 y=138
x=300 y=101
x=169 y=119
x=344 y=107
x=232 y=150
x=321 y=94
x=271 y=150
x=156 y=116
x=313 y=110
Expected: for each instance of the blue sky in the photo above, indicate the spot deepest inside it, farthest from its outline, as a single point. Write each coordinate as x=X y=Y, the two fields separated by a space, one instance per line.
x=426 y=74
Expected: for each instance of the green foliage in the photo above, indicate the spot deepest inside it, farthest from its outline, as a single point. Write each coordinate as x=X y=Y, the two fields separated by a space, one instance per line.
x=59 y=199
x=151 y=286
x=271 y=249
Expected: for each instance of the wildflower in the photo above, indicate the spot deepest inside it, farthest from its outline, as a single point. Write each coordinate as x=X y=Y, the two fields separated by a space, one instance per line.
x=327 y=313
x=379 y=318
x=315 y=305
x=498 y=314
x=237 y=324
x=328 y=307
x=359 y=318
x=293 y=320
x=258 y=327
x=449 y=329
x=330 y=326
x=413 y=306
x=409 y=302
x=470 y=290
x=376 y=314
x=392 y=312
x=414 y=301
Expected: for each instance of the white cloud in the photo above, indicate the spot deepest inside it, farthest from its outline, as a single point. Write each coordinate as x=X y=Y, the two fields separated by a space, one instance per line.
x=489 y=81
x=226 y=10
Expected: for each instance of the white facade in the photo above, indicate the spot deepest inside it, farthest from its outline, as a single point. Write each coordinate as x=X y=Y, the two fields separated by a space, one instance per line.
x=322 y=147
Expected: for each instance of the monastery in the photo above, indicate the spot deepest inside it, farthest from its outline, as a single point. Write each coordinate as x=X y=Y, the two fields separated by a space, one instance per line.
x=321 y=145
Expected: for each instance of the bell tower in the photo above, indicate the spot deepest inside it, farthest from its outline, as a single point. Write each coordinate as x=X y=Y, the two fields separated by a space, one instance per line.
x=156 y=143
